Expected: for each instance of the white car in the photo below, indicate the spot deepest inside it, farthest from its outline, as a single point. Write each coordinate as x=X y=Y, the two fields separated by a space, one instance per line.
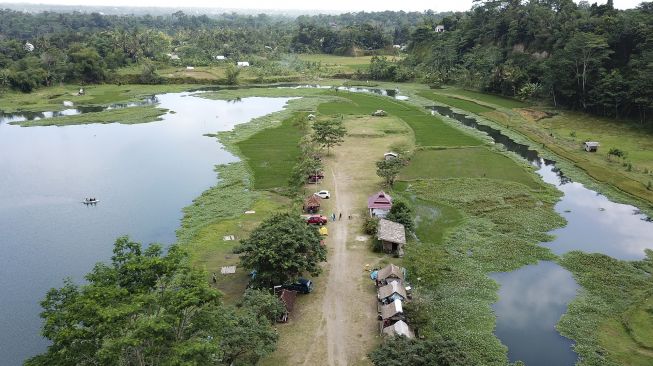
x=323 y=194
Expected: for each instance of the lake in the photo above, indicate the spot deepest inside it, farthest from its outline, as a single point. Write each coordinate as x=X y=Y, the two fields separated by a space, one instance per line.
x=143 y=175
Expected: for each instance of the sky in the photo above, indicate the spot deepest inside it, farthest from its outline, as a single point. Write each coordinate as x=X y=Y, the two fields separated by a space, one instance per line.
x=327 y=5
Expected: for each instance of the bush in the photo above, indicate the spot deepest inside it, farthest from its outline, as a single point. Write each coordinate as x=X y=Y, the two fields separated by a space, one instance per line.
x=370 y=225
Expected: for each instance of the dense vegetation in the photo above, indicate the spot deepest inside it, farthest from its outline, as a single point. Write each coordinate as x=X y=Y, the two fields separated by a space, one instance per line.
x=151 y=308
x=587 y=57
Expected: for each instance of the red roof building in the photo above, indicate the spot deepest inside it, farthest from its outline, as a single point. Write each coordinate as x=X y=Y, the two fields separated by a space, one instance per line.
x=379 y=204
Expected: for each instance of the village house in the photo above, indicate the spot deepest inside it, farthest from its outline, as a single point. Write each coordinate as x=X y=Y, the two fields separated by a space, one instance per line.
x=312 y=204
x=379 y=204
x=400 y=328
x=392 y=236
x=391 y=292
x=591 y=146
x=439 y=28
x=242 y=63
x=391 y=313
x=220 y=58
x=388 y=274
x=287 y=298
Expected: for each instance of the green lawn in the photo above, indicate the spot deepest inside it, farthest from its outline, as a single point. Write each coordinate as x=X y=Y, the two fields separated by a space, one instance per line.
x=476 y=162
x=456 y=102
x=429 y=130
x=494 y=99
x=131 y=115
x=272 y=153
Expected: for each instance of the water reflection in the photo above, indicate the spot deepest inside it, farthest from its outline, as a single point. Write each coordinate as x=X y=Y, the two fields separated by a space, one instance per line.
x=532 y=301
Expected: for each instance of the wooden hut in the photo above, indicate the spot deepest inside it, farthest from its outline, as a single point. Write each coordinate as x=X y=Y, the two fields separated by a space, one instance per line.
x=379 y=204
x=391 y=313
x=392 y=236
x=312 y=204
x=388 y=274
x=391 y=292
x=400 y=328
x=287 y=298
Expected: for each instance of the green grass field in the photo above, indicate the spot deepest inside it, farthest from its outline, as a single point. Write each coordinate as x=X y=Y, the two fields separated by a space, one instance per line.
x=429 y=130
x=272 y=153
x=494 y=99
x=131 y=115
x=456 y=102
x=477 y=162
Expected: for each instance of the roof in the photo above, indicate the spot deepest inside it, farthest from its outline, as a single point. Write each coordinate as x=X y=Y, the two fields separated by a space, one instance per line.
x=288 y=297
x=392 y=309
x=390 y=271
x=391 y=289
x=391 y=153
x=379 y=200
x=591 y=143
x=399 y=328
x=392 y=232
x=312 y=201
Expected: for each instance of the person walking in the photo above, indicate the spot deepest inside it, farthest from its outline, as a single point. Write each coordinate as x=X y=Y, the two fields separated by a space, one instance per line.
x=214 y=278
x=333 y=216
x=340 y=217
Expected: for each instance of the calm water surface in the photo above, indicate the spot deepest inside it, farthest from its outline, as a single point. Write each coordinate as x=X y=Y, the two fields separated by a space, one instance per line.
x=142 y=174
x=532 y=298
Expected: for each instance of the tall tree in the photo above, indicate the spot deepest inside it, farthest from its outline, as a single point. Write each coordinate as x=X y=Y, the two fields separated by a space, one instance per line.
x=281 y=249
x=329 y=133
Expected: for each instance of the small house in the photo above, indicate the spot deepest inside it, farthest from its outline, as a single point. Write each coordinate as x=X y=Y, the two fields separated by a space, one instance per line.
x=312 y=204
x=379 y=113
x=390 y=155
x=173 y=56
x=392 y=236
x=391 y=313
x=287 y=298
x=190 y=68
x=242 y=63
x=220 y=58
x=439 y=28
x=28 y=47
x=396 y=46
x=379 y=204
x=400 y=328
x=591 y=146
x=391 y=292
x=388 y=274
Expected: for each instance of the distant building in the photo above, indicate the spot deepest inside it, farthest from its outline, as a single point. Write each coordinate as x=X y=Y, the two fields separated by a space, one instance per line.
x=220 y=58
x=28 y=47
x=379 y=204
x=439 y=28
x=173 y=56
x=242 y=64
x=190 y=68
x=591 y=146
x=396 y=46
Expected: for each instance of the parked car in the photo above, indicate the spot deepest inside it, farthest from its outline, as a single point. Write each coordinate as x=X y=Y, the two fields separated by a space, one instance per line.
x=303 y=286
x=323 y=194
x=317 y=220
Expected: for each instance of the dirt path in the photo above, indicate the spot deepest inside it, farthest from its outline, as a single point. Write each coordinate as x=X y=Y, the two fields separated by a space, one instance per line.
x=336 y=325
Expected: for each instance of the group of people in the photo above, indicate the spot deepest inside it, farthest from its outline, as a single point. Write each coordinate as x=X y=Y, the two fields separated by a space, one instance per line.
x=333 y=216
x=93 y=199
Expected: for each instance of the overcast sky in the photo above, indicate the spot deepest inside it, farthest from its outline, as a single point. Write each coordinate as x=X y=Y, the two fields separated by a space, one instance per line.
x=326 y=5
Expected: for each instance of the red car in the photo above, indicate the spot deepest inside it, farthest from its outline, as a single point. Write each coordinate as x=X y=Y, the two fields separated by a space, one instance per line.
x=317 y=220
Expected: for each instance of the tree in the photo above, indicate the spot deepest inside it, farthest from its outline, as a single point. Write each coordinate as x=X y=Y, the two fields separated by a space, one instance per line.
x=149 y=74
x=402 y=213
x=281 y=249
x=146 y=308
x=232 y=73
x=389 y=169
x=431 y=352
x=263 y=304
x=329 y=133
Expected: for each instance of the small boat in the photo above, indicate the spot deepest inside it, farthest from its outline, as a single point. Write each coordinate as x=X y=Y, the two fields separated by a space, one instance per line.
x=90 y=202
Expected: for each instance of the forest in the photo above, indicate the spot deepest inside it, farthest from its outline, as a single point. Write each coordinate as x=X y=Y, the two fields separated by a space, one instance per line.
x=586 y=57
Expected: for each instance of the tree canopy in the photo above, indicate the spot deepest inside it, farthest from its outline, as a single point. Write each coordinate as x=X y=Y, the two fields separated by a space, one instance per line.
x=148 y=308
x=329 y=133
x=399 y=351
x=281 y=249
